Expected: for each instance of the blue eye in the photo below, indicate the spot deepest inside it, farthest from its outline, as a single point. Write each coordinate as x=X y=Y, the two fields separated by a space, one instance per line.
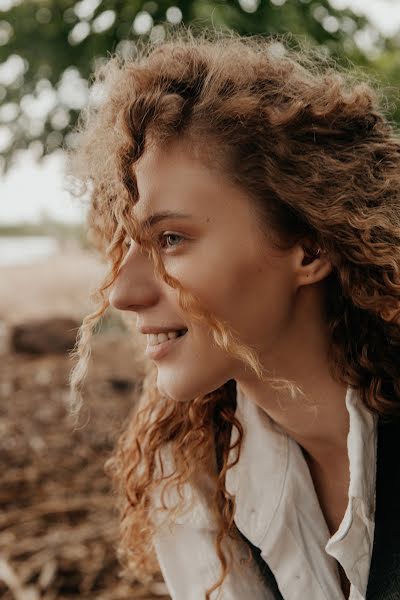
x=168 y=240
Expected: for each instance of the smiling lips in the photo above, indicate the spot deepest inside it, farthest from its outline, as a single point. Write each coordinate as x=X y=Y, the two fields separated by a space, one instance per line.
x=159 y=344
x=154 y=339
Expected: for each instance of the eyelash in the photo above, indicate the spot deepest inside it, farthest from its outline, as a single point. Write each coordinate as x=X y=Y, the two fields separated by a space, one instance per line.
x=164 y=235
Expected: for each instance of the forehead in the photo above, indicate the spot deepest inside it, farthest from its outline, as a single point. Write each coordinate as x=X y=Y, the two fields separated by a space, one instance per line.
x=164 y=172
x=174 y=178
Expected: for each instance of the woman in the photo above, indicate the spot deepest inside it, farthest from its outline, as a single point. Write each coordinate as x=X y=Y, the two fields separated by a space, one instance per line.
x=247 y=199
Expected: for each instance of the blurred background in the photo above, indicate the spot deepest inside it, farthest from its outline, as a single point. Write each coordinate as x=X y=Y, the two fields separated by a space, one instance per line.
x=58 y=525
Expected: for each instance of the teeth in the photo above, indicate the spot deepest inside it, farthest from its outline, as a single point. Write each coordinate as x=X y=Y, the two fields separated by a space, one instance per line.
x=162 y=337
x=157 y=338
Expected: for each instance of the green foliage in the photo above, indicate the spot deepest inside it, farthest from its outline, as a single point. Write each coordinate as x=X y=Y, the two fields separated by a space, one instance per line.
x=49 y=48
x=47 y=227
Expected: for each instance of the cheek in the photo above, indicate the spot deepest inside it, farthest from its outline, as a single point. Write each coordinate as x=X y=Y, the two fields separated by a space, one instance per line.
x=214 y=281
x=229 y=289
x=256 y=299
x=239 y=285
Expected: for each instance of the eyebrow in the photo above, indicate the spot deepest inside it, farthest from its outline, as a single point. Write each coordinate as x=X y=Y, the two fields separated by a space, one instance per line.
x=160 y=216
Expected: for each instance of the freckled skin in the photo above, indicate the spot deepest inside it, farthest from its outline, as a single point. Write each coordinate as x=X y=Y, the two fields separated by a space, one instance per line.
x=272 y=298
x=226 y=261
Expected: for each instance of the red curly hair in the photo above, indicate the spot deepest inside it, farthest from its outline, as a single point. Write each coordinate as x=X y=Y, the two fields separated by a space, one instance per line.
x=318 y=157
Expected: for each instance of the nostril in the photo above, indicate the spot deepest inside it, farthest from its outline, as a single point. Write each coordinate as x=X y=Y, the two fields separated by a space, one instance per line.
x=133 y=290
x=120 y=296
x=115 y=299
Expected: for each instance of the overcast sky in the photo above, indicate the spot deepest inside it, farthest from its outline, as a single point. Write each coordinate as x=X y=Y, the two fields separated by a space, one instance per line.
x=385 y=14
x=29 y=190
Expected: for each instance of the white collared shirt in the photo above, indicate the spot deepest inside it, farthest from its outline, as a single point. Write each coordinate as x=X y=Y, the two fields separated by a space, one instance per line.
x=277 y=510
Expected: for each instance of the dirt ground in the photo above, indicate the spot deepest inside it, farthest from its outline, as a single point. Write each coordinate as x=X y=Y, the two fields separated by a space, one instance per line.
x=58 y=523
x=59 y=285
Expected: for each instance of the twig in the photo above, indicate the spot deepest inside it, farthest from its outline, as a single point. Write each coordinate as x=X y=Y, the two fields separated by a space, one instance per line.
x=11 y=579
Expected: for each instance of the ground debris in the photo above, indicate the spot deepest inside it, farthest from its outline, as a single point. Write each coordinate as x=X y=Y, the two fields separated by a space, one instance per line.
x=58 y=523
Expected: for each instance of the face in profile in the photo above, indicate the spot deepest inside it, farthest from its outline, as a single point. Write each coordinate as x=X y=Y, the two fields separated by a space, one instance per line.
x=212 y=243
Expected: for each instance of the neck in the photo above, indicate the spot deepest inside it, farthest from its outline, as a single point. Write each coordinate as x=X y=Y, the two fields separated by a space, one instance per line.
x=318 y=419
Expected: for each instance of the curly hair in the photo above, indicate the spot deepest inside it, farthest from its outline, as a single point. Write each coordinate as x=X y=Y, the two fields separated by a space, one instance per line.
x=312 y=147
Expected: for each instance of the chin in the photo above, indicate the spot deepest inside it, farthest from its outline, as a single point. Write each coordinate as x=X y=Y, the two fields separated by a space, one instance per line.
x=185 y=389
x=174 y=389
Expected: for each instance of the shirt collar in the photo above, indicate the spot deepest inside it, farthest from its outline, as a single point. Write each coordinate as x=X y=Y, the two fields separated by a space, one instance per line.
x=263 y=457
x=352 y=543
x=257 y=479
x=361 y=446
x=268 y=457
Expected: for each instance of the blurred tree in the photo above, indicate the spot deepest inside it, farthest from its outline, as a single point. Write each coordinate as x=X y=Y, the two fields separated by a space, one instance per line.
x=386 y=66
x=48 y=48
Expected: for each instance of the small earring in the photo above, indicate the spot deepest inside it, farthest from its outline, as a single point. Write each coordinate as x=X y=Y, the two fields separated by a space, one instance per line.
x=312 y=254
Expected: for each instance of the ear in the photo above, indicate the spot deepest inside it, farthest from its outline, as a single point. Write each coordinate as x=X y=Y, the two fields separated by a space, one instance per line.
x=312 y=263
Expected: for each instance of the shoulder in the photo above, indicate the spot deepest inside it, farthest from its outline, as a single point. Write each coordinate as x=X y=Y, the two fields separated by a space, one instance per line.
x=195 y=497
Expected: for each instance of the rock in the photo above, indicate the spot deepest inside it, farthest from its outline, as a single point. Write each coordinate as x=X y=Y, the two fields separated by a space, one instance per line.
x=44 y=336
x=118 y=384
x=4 y=337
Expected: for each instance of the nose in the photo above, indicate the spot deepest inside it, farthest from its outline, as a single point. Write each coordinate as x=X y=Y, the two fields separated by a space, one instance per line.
x=136 y=286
